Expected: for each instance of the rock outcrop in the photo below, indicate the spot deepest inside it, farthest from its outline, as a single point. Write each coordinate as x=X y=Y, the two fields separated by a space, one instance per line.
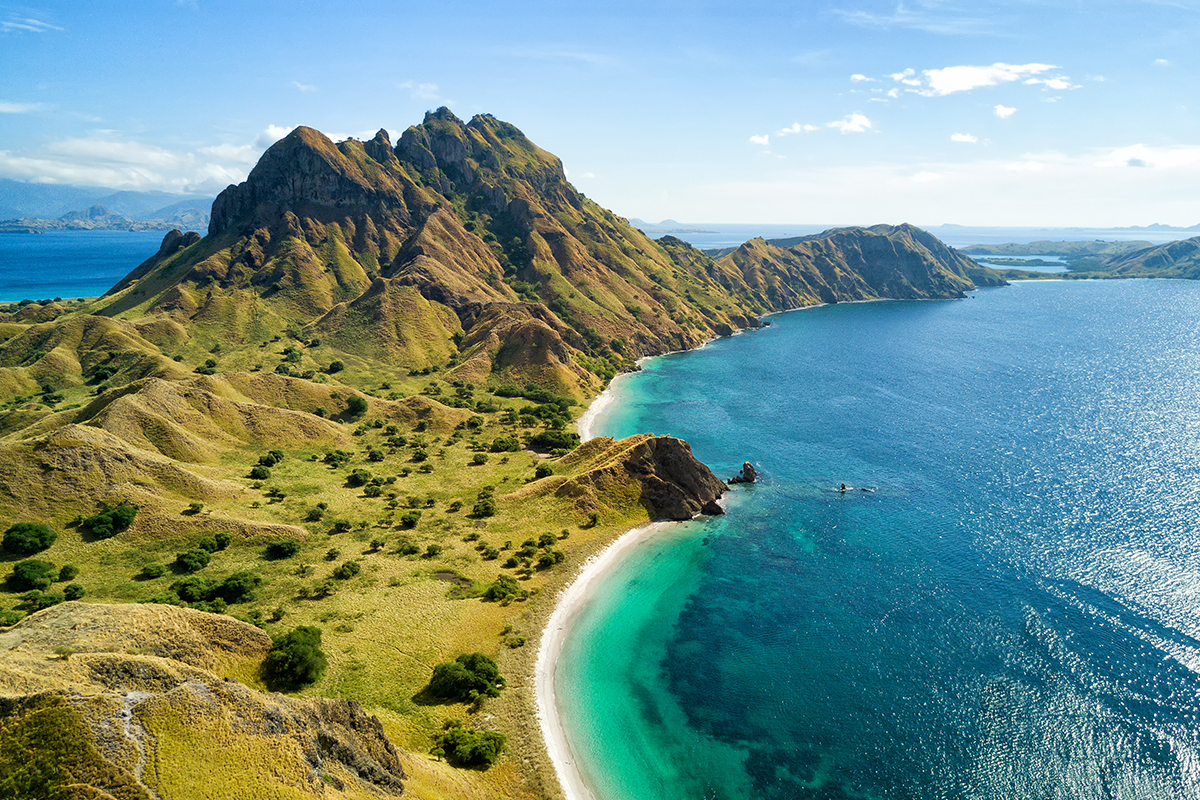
x=658 y=472
x=122 y=687
x=747 y=475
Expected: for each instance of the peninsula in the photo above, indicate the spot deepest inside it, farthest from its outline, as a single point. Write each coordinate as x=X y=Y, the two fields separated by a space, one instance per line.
x=337 y=428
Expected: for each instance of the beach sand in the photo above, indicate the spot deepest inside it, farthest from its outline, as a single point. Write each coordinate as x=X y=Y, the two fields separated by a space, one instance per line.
x=570 y=602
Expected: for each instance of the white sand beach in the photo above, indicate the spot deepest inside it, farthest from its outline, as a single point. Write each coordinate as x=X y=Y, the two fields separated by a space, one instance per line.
x=570 y=602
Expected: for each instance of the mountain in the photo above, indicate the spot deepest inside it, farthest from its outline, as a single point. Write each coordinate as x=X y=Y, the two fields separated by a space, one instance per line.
x=1179 y=259
x=470 y=233
x=348 y=406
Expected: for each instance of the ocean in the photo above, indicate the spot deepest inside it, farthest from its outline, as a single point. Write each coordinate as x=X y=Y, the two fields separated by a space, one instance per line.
x=1011 y=610
x=70 y=264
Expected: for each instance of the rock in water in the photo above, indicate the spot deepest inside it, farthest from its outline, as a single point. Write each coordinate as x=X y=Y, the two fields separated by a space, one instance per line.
x=747 y=475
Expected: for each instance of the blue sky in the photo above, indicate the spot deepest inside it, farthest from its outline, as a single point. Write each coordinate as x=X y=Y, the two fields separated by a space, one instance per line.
x=977 y=113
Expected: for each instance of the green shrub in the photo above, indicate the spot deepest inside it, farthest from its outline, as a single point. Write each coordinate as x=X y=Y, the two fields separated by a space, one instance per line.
x=505 y=444
x=73 y=591
x=192 y=560
x=10 y=617
x=542 y=471
x=32 y=574
x=223 y=539
x=284 y=548
x=27 y=538
x=355 y=406
x=407 y=547
x=194 y=589
x=155 y=570
x=409 y=519
x=347 y=570
x=484 y=508
x=467 y=677
x=359 y=477
x=111 y=520
x=208 y=543
x=505 y=587
x=295 y=659
x=68 y=572
x=36 y=600
x=554 y=440
x=260 y=473
x=238 y=587
x=479 y=459
x=470 y=748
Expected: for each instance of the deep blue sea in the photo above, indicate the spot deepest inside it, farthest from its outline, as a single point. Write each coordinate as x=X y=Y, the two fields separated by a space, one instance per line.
x=1013 y=611
x=70 y=263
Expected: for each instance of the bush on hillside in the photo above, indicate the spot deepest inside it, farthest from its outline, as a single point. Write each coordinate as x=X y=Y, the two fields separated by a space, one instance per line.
x=469 y=748
x=468 y=677
x=27 y=538
x=295 y=660
x=110 y=521
x=32 y=574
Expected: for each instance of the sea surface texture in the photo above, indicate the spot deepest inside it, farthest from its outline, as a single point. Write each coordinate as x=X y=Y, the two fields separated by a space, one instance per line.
x=70 y=264
x=1011 y=611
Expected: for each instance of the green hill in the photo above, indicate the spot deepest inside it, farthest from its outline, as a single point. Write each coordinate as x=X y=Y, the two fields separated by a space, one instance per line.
x=352 y=401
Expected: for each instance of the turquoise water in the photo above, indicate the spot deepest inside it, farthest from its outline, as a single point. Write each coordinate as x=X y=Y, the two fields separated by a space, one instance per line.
x=70 y=263
x=1012 y=612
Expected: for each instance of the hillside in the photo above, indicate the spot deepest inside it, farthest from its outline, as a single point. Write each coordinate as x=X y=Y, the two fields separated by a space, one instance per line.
x=1178 y=259
x=349 y=406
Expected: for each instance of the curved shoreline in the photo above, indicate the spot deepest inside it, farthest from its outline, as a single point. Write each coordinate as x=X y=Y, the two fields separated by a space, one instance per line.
x=569 y=604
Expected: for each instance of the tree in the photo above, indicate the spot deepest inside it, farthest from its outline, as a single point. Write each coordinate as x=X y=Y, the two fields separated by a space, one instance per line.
x=504 y=588
x=32 y=574
x=355 y=406
x=295 y=659
x=110 y=520
x=192 y=560
x=239 y=587
x=466 y=747
x=467 y=677
x=284 y=548
x=27 y=538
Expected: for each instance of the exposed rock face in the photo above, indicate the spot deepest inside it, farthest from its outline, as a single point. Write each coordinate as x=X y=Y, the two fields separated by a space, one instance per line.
x=659 y=472
x=139 y=677
x=747 y=475
x=473 y=214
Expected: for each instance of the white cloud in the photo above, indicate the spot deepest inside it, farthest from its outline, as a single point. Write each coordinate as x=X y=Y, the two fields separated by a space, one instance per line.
x=949 y=80
x=271 y=135
x=106 y=158
x=795 y=128
x=1004 y=112
x=19 y=108
x=1085 y=188
x=965 y=138
x=304 y=87
x=586 y=175
x=764 y=140
x=26 y=25
x=857 y=78
x=422 y=91
x=1161 y=62
x=852 y=123
x=1058 y=84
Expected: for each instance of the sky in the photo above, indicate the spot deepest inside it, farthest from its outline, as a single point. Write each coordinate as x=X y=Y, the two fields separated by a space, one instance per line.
x=1006 y=113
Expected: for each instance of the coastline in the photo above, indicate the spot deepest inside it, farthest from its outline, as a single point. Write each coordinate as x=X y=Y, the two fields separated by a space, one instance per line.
x=569 y=604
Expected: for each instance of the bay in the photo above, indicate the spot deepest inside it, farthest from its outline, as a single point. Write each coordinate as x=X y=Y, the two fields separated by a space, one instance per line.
x=70 y=264
x=1012 y=611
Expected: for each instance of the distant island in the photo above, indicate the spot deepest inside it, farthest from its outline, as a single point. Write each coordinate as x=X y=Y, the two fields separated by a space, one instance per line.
x=37 y=208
